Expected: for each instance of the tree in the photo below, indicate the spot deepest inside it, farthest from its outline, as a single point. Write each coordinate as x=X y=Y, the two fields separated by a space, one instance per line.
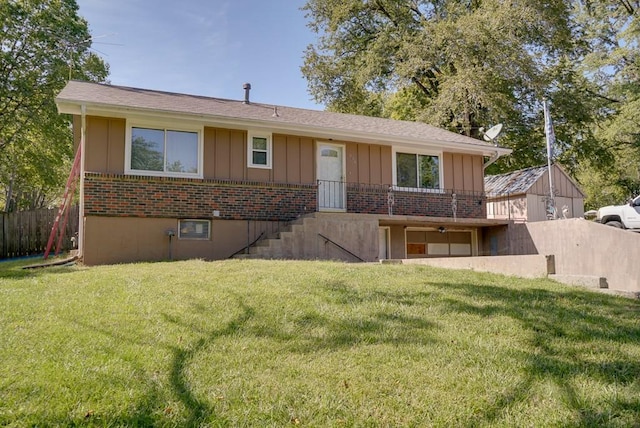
x=460 y=65
x=43 y=44
x=612 y=29
x=145 y=155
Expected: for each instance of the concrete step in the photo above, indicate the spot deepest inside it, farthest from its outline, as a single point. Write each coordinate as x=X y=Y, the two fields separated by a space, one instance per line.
x=288 y=243
x=266 y=247
x=261 y=243
x=587 y=281
x=622 y=293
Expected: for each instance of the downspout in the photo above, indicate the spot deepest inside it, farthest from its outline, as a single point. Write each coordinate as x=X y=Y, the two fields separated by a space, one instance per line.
x=491 y=160
x=83 y=126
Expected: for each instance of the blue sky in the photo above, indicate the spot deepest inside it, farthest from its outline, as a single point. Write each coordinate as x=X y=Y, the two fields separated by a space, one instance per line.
x=205 y=47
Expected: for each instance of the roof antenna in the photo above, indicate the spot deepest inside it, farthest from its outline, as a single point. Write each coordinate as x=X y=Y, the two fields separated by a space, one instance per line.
x=492 y=133
x=247 y=89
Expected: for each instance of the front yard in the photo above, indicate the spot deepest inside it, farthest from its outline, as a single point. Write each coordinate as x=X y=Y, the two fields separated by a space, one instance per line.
x=275 y=343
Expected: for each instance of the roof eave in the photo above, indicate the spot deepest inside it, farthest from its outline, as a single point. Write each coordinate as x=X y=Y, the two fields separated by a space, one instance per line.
x=501 y=195
x=66 y=106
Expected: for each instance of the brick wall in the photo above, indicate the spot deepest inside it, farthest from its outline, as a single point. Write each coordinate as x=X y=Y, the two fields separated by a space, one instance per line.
x=132 y=196
x=375 y=200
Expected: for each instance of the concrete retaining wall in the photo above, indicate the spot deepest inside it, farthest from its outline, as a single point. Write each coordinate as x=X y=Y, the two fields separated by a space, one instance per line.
x=526 y=266
x=583 y=247
x=338 y=236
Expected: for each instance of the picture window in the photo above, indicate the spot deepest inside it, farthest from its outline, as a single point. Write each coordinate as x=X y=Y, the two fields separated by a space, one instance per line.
x=164 y=152
x=417 y=171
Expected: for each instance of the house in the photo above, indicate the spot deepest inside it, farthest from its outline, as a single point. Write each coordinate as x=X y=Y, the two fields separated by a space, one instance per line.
x=175 y=176
x=523 y=196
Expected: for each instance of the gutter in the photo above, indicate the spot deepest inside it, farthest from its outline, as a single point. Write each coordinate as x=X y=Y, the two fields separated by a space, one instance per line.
x=83 y=128
x=494 y=157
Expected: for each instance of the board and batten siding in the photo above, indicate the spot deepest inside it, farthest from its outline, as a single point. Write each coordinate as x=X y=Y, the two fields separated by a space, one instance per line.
x=225 y=158
x=463 y=172
x=373 y=164
x=105 y=144
x=225 y=153
x=562 y=185
x=566 y=192
x=293 y=159
x=368 y=163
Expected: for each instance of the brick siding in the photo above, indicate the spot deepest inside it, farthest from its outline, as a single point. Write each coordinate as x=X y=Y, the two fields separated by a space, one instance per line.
x=162 y=197
x=133 y=196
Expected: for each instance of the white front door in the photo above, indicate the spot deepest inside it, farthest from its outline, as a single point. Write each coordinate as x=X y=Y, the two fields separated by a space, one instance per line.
x=331 y=188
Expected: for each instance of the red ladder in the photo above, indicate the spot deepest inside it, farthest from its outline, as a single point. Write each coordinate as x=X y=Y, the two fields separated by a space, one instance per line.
x=69 y=191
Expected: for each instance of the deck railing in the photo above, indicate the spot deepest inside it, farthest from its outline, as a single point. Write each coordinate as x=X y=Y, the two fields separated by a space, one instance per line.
x=394 y=200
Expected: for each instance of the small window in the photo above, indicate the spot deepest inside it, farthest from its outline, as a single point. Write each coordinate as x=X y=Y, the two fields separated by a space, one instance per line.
x=259 y=150
x=194 y=229
x=329 y=153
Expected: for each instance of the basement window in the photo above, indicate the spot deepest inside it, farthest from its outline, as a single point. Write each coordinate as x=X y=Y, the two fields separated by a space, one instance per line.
x=194 y=229
x=259 y=149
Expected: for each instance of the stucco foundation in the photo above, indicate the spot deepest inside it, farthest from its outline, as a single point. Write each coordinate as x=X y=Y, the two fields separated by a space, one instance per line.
x=131 y=239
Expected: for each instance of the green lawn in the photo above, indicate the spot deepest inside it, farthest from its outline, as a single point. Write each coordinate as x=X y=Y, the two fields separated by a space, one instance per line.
x=268 y=343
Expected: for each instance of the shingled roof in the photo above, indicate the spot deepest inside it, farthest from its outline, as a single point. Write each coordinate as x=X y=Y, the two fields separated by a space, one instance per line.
x=515 y=182
x=102 y=99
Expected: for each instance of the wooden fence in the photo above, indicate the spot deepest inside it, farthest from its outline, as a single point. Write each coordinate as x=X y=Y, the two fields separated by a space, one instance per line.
x=25 y=233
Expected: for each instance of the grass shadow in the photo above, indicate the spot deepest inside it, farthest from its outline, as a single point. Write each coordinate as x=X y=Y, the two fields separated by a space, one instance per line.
x=553 y=327
x=353 y=317
x=199 y=410
x=16 y=270
x=318 y=333
x=560 y=326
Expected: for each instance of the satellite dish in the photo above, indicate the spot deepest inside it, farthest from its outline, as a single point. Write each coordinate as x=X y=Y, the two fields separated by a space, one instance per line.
x=493 y=132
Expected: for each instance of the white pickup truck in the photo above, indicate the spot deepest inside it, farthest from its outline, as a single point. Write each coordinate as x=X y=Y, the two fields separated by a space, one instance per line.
x=621 y=216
